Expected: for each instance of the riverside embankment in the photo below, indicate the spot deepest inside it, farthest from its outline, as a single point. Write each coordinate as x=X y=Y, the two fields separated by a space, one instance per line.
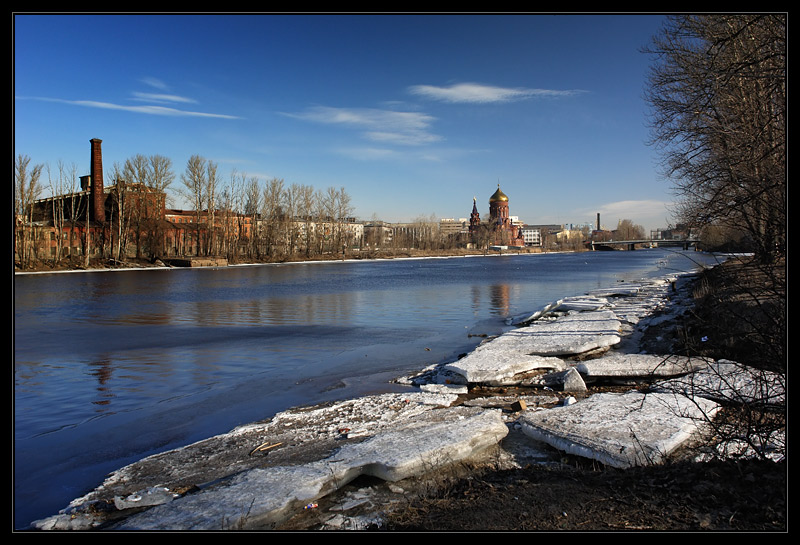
x=99 y=265
x=263 y=475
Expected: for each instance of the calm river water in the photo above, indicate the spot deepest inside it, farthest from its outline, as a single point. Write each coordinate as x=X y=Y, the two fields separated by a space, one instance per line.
x=110 y=367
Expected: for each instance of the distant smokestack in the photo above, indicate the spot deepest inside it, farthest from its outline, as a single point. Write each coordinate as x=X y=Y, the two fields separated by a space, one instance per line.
x=96 y=173
x=598 y=221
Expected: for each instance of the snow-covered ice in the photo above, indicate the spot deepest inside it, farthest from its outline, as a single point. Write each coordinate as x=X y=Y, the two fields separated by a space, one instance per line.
x=639 y=365
x=621 y=430
x=260 y=497
x=532 y=347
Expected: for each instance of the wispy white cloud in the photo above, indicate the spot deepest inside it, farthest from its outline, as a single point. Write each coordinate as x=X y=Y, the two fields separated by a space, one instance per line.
x=368 y=154
x=648 y=213
x=163 y=98
x=156 y=100
x=386 y=126
x=476 y=93
x=155 y=82
x=149 y=110
x=640 y=207
x=414 y=154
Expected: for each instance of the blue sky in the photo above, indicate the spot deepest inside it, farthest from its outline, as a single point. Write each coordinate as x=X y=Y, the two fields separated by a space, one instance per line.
x=414 y=115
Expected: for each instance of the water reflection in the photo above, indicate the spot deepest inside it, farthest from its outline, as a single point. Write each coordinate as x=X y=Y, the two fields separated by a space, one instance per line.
x=500 y=297
x=102 y=371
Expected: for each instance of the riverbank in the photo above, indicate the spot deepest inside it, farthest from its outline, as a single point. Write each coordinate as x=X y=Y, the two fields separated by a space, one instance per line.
x=328 y=437
x=98 y=265
x=731 y=304
x=86 y=399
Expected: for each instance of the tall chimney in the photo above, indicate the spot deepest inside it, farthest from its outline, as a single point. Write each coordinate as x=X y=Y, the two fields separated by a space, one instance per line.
x=98 y=198
x=598 y=221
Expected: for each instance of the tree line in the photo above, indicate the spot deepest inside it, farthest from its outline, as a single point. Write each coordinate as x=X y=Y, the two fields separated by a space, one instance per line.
x=239 y=217
x=717 y=92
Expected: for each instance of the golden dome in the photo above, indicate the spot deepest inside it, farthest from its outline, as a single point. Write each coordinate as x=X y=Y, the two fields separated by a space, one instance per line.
x=498 y=196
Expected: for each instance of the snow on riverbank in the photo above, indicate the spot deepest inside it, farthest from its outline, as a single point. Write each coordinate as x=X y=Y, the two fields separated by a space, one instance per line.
x=259 y=475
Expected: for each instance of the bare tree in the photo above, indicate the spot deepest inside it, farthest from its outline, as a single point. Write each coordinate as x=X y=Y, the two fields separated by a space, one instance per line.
x=718 y=98
x=62 y=209
x=425 y=233
x=193 y=190
x=252 y=207
x=212 y=182
x=627 y=230
x=119 y=202
x=73 y=204
x=718 y=95
x=343 y=209
x=292 y=199
x=323 y=216
x=27 y=190
x=306 y=203
x=161 y=178
x=272 y=216
x=231 y=211
x=161 y=174
x=57 y=212
x=482 y=237
x=136 y=170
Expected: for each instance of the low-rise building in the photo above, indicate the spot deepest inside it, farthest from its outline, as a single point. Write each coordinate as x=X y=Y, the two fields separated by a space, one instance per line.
x=532 y=236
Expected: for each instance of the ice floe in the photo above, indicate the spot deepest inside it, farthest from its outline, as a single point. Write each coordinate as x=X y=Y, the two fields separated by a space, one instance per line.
x=638 y=366
x=260 y=497
x=621 y=430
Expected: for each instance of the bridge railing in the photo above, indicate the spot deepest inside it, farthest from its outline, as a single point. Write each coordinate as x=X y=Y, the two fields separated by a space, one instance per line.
x=631 y=244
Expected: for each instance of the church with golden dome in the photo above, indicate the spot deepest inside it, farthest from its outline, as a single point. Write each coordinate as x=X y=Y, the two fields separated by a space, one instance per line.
x=500 y=230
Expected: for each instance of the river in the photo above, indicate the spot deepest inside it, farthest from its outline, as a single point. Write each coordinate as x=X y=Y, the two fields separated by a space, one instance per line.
x=110 y=367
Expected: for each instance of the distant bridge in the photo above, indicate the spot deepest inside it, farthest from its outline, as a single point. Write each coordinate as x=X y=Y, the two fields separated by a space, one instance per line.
x=631 y=244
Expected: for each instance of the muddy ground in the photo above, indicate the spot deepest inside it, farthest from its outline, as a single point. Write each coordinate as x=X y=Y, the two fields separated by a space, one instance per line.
x=729 y=496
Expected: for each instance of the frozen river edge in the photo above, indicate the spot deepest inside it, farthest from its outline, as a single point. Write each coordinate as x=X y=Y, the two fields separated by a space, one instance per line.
x=260 y=475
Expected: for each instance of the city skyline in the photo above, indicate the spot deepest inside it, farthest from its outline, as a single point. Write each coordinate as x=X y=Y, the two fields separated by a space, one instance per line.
x=414 y=115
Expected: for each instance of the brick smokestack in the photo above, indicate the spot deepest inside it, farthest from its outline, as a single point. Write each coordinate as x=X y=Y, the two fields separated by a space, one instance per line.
x=98 y=198
x=598 y=221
